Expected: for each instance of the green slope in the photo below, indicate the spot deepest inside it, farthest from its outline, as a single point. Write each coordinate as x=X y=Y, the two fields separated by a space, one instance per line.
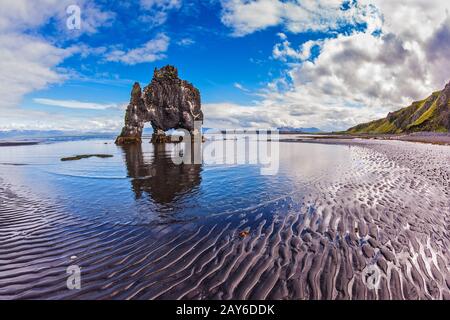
x=431 y=114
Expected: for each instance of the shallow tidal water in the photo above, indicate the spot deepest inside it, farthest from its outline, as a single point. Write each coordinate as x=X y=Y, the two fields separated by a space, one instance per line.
x=142 y=184
x=142 y=227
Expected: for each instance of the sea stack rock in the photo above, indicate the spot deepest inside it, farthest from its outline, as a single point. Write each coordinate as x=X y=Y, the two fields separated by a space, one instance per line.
x=167 y=103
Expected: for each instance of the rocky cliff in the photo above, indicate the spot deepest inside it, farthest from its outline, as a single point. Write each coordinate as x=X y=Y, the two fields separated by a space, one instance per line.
x=167 y=103
x=431 y=114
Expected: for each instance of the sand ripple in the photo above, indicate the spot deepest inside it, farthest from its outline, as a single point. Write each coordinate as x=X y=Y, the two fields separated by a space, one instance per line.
x=389 y=211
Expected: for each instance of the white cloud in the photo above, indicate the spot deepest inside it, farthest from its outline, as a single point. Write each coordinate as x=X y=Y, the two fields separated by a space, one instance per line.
x=74 y=104
x=282 y=36
x=360 y=68
x=22 y=15
x=155 y=12
x=240 y=87
x=186 y=42
x=151 y=51
x=414 y=19
x=29 y=62
x=92 y=17
x=245 y=17
x=376 y=73
x=26 y=64
x=355 y=77
x=161 y=4
x=21 y=119
x=271 y=114
x=283 y=51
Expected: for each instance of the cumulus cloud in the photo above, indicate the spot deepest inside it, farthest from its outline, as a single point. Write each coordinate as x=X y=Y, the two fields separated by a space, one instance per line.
x=370 y=71
x=283 y=51
x=415 y=20
x=383 y=72
x=23 y=15
x=20 y=119
x=271 y=114
x=92 y=17
x=29 y=62
x=151 y=51
x=245 y=17
x=437 y=48
x=355 y=76
x=161 y=4
x=26 y=64
x=155 y=12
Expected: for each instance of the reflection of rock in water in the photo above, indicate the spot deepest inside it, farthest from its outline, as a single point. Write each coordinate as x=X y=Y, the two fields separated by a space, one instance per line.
x=159 y=176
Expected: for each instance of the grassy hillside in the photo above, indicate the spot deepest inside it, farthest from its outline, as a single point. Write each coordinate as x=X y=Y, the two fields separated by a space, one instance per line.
x=431 y=114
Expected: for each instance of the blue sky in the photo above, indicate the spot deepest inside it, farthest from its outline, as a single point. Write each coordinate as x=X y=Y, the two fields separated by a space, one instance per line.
x=261 y=63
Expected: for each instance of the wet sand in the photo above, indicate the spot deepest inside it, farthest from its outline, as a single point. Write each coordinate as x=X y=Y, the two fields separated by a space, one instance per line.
x=391 y=212
x=422 y=137
x=427 y=137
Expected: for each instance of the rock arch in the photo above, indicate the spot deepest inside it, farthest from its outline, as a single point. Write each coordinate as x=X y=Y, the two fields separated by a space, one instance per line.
x=167 y=103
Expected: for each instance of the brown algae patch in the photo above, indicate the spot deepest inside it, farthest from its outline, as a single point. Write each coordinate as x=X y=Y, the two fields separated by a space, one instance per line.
x=86 y=156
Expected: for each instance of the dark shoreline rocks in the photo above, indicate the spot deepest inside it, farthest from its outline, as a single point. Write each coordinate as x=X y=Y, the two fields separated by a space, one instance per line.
x=86 y=156
x=18 y=143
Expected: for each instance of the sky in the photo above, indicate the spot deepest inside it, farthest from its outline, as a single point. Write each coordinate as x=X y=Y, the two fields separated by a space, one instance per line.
x=329 y=64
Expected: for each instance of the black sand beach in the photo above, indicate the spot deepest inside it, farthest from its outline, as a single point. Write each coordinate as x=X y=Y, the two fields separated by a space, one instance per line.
x=390 y=212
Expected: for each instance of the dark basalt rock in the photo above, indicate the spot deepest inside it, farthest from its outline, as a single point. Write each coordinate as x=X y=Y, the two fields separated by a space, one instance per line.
x=162 y=138
x=167 y=103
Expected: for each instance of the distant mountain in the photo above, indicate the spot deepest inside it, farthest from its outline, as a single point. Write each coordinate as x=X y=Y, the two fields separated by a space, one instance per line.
x=299 y=130
x=431 y=114
x=36 y=134
x=28 y=133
